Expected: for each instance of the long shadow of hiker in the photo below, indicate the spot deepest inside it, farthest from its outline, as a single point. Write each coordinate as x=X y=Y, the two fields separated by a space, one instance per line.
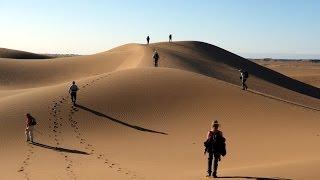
x=118 y=121
x=248 y=177
x=60 y=149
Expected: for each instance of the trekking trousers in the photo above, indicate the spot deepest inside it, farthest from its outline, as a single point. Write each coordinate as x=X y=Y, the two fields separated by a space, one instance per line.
x=29 y=133
x=156 y=63
x=244 y=85
x=215 y=163
x=73 y=96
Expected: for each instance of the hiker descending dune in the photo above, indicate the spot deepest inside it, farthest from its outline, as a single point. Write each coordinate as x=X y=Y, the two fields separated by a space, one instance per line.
x=215 y=147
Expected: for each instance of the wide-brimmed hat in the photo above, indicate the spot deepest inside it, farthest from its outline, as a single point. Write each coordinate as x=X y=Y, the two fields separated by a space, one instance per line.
x=215 y=123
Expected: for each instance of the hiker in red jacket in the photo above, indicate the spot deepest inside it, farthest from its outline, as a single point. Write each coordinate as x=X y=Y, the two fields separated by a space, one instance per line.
x=30 y=123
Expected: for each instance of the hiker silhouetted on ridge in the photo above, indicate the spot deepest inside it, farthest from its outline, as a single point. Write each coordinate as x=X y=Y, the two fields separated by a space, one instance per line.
x=170 y=38
x=156 y=58
x=215 y=147
x=30 y=123
x=148 y=39
x=244 y=75
x=73 y=92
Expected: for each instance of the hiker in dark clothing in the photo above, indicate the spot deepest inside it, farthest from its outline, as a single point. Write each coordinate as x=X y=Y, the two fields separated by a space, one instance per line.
x=244 y=76
x=73 y=92
x=215 y=147
x=30 y=123
x=156 y=58
x=170 y=38
x=148 y=39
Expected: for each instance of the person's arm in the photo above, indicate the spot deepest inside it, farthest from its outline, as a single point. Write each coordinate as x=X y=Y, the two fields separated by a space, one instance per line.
x=208 y=135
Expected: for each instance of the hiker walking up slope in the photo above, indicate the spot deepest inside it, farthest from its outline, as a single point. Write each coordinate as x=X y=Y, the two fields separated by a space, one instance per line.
x=73 y=92
x=155 y=58
x=215 y=147
x=30 y=123
x=148 y=39
x=170 y=37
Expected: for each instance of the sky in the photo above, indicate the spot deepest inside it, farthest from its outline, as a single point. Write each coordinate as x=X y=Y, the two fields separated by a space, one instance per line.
x=250 y=28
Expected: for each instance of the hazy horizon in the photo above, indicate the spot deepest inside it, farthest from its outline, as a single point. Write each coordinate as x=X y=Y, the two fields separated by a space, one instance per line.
x=254 y=29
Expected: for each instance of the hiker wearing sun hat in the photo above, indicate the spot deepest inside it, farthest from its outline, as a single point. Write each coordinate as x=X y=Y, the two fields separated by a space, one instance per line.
x=215 y=147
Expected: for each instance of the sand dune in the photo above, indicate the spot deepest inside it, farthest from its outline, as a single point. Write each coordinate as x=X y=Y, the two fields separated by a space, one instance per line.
x=305 y=71
x=16 y=54
x=134 y=121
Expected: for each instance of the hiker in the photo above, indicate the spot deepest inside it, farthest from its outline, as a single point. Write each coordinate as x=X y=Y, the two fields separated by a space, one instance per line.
x=148 y=39
x=30 y=123
x=170 y=38
x=244 y=76
x=156 y=58
x=73 y=92
x=215 y=147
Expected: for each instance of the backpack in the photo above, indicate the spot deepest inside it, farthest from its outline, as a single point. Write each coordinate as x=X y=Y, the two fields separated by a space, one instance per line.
x=216 y=144
x=156 y=56
x=33 y=121
x=246 y=74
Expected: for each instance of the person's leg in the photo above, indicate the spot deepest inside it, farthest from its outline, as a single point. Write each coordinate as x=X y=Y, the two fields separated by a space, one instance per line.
x=210 y=157
x=243 y=84
x=31 y=133
x=27 y=134
x=71 y=95
x=75 y=97
x=215 y=164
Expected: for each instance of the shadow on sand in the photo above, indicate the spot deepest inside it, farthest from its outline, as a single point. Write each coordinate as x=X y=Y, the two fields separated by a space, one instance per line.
x=248 y=177
x=59 y=149
x=118 y=121
x=283 y=100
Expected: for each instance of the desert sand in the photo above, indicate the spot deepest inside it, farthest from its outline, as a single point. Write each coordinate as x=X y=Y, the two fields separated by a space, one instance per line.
x=134 y=121
x=304 y=70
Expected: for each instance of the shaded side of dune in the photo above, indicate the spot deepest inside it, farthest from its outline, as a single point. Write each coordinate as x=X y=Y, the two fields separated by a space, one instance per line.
x=216 y=62
x=16 y=54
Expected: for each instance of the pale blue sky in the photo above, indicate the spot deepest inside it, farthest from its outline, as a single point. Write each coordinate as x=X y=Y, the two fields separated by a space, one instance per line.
x=273 y=28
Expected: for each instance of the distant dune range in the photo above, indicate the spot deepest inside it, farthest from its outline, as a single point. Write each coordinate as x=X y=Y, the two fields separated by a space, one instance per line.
x=134 y=121
x=16 y=54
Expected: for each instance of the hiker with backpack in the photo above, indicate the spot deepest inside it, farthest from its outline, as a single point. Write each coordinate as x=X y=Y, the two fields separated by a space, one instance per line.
x=156 y=58
x=30 y=123
x=170 y=38
x=148 y=39
x=215 y=147
x=73 y=92
x=244 y=75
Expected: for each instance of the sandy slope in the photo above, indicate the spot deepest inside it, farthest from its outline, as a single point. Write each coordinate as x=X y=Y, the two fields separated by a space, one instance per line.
x=306 y=71
x=138 y=122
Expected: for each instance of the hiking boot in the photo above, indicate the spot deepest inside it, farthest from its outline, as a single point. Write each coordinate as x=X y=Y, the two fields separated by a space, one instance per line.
x=214 y=174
